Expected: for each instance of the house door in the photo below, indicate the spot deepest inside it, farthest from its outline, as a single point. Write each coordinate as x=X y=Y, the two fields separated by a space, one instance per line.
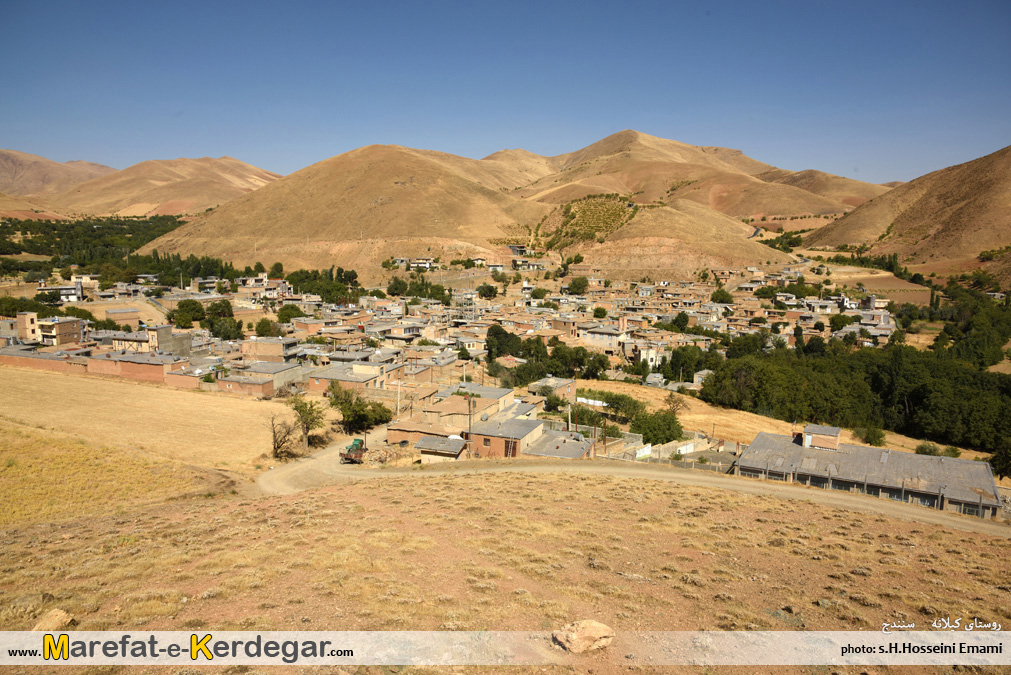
x=510 y=448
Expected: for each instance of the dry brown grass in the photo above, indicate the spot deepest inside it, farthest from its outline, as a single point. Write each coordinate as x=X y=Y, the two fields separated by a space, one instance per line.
x=201 y=428
x=498 y=552
x=49 y=477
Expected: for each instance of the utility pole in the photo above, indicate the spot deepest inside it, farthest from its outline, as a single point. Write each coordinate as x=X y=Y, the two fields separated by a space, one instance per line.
x=470 y=427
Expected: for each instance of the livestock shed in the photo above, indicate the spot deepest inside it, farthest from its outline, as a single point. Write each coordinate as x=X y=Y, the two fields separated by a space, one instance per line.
x=943 y=483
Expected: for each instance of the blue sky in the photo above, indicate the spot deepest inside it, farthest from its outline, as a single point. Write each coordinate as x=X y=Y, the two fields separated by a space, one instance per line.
x=872 y=90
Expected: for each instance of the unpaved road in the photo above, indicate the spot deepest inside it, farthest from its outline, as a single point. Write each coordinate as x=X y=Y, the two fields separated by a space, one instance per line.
x=324 y=468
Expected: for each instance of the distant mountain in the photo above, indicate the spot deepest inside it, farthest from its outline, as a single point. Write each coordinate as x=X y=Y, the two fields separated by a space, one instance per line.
x=946 y=217
x=24 y=175
x=845 y=190
x=174 y=186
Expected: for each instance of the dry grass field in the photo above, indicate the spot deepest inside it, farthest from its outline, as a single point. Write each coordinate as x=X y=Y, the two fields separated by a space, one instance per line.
x=510 y=551
x=200 y=428
x=48 y=476
x=109 y=513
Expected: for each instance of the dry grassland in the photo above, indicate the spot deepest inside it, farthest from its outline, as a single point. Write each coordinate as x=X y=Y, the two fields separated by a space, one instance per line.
x=47 y=477
x=506 y=551
x=202 y=428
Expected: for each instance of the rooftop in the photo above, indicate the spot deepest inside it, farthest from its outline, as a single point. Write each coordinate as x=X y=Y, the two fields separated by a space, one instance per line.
x=958 y=479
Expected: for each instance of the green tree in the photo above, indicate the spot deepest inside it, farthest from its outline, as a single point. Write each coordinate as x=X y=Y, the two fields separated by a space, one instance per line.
x=48 y=297
x=267 y=328
x=599 y=313
x=276 y=271
x=357 y=414
x=288 y=312
x=225 y=328
x=396 y=287
x=187 y=312
x=309 y=415
x=219 y=309
x=487 y=291
x=578 y=285
x=463 y=353
x=539 y=293
x=722 y=295
x=657 y=428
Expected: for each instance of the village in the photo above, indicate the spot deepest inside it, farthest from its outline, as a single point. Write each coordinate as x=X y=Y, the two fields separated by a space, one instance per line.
x=429 y=364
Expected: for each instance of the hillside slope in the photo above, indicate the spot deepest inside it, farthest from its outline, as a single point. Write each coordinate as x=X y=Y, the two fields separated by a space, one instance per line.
x=25 y=175
x=175 y=186
x=950 y=215
x=846 y=190
x=369 y=203
x=366 y=205
x=18 y=207
x=656 y=170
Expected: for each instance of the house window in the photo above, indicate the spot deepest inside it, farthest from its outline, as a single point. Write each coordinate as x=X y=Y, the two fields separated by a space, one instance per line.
x=486 y=442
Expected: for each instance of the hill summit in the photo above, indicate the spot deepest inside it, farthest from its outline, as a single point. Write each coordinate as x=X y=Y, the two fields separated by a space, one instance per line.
x=671 y=206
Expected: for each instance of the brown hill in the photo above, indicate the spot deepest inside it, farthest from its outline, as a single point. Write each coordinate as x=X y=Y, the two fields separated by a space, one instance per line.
x=364 y=206
x=677 y=240
x=371 y=203
x=25 y=175
x=17 y=207
x=657 y=170
x=175 y=186
x=948 y=216
x=846 y=190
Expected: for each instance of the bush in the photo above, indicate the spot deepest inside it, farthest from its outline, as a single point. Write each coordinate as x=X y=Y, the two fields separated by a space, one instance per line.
x=657 y=428
x=287 y=313
x=928 y=448
x=872 y=436
x=578 y=285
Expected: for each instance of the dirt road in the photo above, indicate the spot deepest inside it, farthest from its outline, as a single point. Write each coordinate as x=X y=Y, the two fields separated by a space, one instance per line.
x=324 y=468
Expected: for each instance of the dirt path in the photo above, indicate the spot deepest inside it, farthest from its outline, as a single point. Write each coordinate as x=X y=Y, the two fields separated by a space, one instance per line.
x=324 y=468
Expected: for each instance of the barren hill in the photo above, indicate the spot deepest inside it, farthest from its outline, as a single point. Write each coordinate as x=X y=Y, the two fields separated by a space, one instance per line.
x=846 y=190
x=25 y=175
x=656 y=170
x=677 y=239
x=380 y=201
x=175 y=186
x=948 y=215
x=17 y=207
x=373 y=202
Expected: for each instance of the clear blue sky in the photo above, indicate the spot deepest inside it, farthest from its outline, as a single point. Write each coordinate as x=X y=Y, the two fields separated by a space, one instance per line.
x=872 y=90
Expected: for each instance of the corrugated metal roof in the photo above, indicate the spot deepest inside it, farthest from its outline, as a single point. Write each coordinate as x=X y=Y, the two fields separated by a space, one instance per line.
x=957 y=479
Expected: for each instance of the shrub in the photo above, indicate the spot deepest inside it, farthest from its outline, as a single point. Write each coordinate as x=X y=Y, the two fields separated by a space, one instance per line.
x=928 y=448
x=872 y=436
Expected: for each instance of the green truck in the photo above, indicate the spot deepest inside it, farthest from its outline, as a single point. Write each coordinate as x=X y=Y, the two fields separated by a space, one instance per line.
x=353 y=453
